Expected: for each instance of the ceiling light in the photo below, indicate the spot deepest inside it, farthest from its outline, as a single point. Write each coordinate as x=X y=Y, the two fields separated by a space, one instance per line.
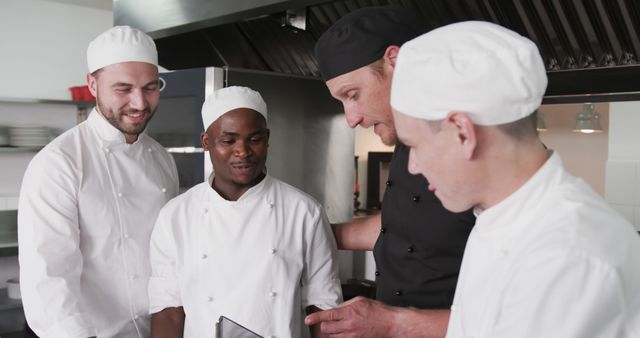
x=588 y=121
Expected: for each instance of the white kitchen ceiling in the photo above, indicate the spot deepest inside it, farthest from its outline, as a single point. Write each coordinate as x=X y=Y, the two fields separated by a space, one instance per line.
x=100 y=4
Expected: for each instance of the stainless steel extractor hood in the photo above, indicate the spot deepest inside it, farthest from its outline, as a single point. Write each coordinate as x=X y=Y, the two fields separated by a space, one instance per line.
x=591 y=47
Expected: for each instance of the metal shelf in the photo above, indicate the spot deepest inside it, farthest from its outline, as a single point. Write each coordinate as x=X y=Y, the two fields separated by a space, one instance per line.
x=7 y=303
x=8 y=233
x=9 y=149
x=81 y=104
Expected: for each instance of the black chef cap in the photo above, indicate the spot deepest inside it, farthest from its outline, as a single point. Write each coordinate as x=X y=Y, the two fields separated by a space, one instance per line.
x=362 y=36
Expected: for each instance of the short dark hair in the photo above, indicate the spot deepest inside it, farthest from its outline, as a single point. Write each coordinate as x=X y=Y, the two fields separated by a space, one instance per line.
x=522 y=129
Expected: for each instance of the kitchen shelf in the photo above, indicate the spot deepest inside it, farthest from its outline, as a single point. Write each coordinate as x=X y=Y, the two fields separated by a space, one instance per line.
x=9 y=149
x=8 y=244
x=7 y=303
x=79 y=104
x=8 y=233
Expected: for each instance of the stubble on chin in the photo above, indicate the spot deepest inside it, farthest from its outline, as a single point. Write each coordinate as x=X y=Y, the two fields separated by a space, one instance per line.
x=116 y=119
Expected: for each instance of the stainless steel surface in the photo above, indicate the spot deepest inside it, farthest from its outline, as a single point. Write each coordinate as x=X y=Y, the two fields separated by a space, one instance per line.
x=170 y=17
x=589 y=46
x=311 y=146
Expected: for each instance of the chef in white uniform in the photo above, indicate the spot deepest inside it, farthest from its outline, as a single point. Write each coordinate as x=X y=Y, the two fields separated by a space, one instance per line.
x=90 y=198
x=548 y=257
x=243 y=244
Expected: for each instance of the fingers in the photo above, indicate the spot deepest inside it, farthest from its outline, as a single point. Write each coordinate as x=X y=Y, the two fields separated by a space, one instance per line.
x=353 y=300
x=322 y=316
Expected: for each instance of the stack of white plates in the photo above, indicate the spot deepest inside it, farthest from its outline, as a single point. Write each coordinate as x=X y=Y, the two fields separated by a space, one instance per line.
x=29 y=136
x=4 y=136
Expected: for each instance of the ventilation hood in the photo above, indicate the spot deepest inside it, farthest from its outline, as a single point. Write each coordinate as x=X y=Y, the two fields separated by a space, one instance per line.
x=590 y=47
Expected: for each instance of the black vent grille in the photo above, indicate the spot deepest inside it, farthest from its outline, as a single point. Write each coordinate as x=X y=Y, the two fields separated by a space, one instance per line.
x=589 y=46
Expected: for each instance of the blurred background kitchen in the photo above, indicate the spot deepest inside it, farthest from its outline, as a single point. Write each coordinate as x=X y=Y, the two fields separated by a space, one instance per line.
x=591 y=112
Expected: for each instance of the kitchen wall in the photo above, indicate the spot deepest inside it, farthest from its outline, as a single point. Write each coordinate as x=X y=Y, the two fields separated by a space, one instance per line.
x=44 y=46
x=623 y=164
x=43 y=53
x=584 y=155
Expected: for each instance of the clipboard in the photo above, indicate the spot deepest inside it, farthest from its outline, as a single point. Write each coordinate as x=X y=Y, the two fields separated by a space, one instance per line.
x=227 y=328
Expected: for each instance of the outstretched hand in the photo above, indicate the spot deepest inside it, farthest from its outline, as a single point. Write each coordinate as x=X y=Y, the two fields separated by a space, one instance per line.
x=357 y=317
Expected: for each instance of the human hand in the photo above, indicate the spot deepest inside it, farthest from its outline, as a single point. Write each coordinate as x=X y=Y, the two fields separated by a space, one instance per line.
x=357 y=317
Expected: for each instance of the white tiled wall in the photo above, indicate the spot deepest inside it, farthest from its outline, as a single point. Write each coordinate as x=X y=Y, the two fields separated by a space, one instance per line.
x=623 y=165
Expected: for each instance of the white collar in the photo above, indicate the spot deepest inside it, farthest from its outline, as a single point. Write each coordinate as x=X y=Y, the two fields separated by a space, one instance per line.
x=254 y=192
x=506 y=217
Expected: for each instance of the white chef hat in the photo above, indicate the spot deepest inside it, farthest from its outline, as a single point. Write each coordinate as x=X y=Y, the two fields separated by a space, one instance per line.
x=227 y=99
x=121 y=44
x=494 y=74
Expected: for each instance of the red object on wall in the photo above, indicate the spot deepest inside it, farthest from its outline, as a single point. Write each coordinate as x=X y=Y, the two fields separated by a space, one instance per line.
x=81 y=93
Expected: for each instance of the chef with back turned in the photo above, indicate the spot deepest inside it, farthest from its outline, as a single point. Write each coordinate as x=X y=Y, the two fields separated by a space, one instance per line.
x=243 y=245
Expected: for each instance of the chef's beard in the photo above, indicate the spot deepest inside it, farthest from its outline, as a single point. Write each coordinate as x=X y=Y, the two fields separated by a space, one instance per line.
x=116 y=119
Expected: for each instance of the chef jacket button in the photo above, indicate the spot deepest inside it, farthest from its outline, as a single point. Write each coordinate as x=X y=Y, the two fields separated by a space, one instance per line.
x=205 y=210
x=272 y=293
x=210 y=299
x=126 y=235
x=416 y=198
x=149 y=149
x=204 y=256
x=383 y=230
x=453 y=307
x=398 y=292
x=164 y=189
x=119 y=194
x=273 y=251
x=389 y=183
x=106 y=150
x=377 y=273
x=410 y=249
x=136 y=317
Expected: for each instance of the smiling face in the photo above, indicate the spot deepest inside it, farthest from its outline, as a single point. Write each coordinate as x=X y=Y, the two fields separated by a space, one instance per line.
x=237 y=143
x=365 y=94
x=127 y=95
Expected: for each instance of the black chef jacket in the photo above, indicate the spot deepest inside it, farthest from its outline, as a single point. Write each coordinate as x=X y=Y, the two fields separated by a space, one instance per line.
x=419 y=250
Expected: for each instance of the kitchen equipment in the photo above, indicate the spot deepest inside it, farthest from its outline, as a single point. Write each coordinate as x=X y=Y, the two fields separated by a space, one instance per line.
x=13 y=288
x=4 y=136
x=81 y=93
x=29 y=136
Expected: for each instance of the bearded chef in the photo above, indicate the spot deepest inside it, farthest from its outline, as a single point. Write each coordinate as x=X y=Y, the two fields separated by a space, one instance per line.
x=90 y=198
x=243 y=244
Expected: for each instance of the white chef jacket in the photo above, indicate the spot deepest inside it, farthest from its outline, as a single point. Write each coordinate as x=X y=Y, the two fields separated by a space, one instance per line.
x=551 y=260
x=260 y=260
x=87 y=206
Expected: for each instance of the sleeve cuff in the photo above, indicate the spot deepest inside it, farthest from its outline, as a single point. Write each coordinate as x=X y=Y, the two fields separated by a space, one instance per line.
x=324 y=295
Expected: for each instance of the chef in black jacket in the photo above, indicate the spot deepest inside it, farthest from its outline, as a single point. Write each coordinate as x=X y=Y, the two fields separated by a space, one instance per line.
x=417 y=244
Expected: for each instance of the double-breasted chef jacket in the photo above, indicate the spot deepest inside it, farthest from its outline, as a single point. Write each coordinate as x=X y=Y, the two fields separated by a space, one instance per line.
x=87 y=206
x=419 y=250
x=259 y=261
x=551 y=260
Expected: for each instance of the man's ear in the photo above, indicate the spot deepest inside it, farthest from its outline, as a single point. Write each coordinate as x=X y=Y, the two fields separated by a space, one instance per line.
x=391 y=55
x=92 y=83
x=204 y=140
x=268 y=133
x=465 y=132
